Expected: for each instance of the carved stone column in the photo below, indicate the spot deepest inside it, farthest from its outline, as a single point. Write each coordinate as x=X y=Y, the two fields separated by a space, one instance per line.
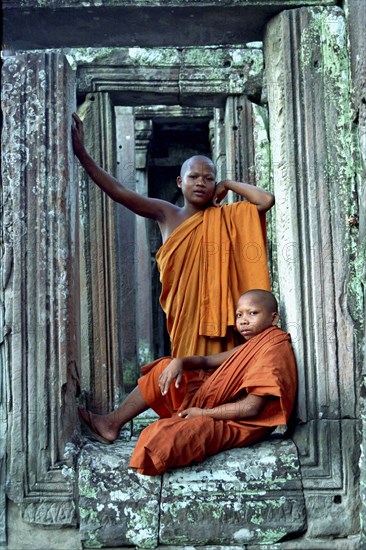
x=247 y=156
x=357 y=37
x=217 y=140
x=234 y=137
x=100 y=275
x=246 y=138
x=128 y=266
x=40 y=277
x=260 y=173
x=144 y=329
x=312 y=149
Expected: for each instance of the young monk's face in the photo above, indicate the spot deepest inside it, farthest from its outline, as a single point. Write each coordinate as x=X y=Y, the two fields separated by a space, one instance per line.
x=198 y=182
x=253 y=316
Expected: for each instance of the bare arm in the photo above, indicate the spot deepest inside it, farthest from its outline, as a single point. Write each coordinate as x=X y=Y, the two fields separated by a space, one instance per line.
x=144 y=206
x=249 y=407
x=261 y=198
x=174 y=370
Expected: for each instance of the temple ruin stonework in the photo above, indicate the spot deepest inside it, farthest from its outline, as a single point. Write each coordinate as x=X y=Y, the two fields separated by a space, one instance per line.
x=275 y=92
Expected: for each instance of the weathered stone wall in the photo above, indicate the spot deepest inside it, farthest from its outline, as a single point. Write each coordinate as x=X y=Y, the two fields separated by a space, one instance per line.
x=317 y=149
x=356 y=23
x=40 y=278
x=313 y=151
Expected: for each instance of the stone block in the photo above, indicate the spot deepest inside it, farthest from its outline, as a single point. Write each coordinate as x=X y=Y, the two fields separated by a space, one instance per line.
x=241 y=496
x=329 y=456
x=72 y=23
x=117 y=507
x=142 y=421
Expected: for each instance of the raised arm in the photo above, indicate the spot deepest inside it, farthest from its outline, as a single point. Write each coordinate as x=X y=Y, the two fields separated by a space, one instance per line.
x=264 y=200
x=155 y=209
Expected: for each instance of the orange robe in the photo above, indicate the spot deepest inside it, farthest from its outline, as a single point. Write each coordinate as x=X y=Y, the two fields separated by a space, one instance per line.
x=205 y=265
x=264 y=366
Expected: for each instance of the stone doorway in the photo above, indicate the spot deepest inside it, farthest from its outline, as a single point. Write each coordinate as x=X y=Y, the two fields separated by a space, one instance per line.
x=188 y=101
x=315 y=165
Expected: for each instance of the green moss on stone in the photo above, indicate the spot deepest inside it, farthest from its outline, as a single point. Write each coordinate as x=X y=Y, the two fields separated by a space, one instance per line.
x=93 y=543
x=271 y=536
x=84 y=56
x=154 y=56
x=90 y=515
x=327 y=31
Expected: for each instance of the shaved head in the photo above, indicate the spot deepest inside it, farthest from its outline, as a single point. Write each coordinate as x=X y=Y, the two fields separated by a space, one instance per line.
x=266 y=298
x=196 y=158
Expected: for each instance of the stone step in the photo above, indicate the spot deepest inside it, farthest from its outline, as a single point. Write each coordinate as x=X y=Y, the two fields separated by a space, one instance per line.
x=243 y=496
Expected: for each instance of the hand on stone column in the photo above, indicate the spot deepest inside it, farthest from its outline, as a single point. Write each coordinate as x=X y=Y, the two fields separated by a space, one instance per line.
x=77 y=133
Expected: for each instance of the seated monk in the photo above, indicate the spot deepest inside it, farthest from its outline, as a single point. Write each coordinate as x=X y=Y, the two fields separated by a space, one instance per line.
x=218 y=402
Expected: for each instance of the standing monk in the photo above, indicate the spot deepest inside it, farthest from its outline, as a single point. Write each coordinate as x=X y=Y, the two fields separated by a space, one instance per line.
x=211 y=253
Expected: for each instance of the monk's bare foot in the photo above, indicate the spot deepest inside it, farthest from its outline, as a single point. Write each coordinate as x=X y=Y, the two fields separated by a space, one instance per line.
x=98 y=427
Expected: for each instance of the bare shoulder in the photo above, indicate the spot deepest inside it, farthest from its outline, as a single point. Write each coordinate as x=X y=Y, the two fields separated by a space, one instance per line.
x=174 y=217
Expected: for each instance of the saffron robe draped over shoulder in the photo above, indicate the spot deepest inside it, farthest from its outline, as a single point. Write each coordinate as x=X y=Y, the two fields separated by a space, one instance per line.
x=264 y=366
x=205 y=265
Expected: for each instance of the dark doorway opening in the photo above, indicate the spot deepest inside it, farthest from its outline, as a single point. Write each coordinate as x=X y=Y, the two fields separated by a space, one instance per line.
x=173 y=141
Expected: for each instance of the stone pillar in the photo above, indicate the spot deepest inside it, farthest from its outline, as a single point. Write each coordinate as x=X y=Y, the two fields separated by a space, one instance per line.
x=260 y=173
x=128 y=266
x=144 y=328
x=40 y=276
x=357 y=36
x=247 y=156
x=217 y=139
x=234 y=138
x=245 y=138
x=100 y=276
x=312 y=149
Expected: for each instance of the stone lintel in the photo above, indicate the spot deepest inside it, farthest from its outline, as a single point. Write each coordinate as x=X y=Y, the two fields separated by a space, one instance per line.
x=162 y=112
x=243 y=496
x=190 y=76
x=32 y=24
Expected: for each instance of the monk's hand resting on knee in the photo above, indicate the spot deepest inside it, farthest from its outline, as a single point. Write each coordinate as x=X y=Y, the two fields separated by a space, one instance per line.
x=192 y=412
x=174 y=371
